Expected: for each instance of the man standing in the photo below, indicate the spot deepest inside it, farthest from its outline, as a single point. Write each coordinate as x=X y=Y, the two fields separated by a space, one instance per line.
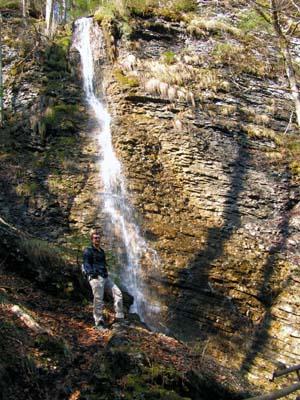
x=94 y=264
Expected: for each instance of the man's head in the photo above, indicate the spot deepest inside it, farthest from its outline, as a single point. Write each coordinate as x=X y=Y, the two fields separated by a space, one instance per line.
x=95 y=237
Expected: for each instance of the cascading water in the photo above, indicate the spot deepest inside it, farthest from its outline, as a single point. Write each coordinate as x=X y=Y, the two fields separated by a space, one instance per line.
x=116 y=205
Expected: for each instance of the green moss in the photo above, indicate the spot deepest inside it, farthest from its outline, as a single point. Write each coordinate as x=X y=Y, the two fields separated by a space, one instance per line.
x=78 y=242
x=124 y=80
x=8 y=327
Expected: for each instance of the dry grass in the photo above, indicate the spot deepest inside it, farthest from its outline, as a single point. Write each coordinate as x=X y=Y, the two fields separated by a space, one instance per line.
x=199 y=27
x=256 y=131
x=242 y=59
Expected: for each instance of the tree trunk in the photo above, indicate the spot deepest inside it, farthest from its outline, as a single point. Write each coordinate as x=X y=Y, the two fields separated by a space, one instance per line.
x=285 y=49
x=292 y=80
x=24 y=9
x=49 y=16
x=65 y=10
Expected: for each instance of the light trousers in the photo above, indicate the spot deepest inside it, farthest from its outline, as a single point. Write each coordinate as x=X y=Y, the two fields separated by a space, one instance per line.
x=99 y=286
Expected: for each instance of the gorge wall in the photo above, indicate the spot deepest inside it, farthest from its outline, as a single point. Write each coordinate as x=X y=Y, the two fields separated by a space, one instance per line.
x=213 y=195
x=199 y=131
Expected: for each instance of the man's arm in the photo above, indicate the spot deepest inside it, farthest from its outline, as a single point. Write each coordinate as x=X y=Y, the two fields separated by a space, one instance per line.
x=88 y=261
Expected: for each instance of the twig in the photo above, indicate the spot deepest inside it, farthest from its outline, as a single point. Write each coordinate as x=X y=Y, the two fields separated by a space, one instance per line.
x=14 y=339
x=13 y=288
x=290 y=121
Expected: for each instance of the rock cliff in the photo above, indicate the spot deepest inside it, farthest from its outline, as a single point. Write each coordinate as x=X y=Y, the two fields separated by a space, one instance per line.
x=213 y=188
x=202 y=124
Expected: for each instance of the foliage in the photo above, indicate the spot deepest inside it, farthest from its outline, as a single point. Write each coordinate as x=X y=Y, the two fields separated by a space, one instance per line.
x=242 y=59
x=106 y=11
x=184 y=5
x=125 y=80
x=263 y=132
x=126 y=29
x=169 y=57
x=56 y=54
x=61 y=118
x=11 y=4
x=154 y=382
x=292 y=150
x=123 y=9
x=251 y=20
x=26 y=188
x=83 y=8
x=42 y=253
x=140 y=7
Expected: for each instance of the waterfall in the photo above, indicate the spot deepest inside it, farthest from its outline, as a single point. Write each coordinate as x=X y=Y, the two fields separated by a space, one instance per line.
x=115 y=201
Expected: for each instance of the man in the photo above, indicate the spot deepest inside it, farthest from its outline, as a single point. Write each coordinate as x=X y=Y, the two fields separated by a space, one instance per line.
x=94 y=264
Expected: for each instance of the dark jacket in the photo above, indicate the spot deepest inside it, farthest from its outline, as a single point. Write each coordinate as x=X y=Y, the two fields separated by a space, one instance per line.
x=94 y=262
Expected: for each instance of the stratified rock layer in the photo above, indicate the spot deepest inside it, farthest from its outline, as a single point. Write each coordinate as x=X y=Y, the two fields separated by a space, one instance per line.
x=221 y=213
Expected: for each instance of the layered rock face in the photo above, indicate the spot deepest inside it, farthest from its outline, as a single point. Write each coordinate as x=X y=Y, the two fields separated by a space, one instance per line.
x=48 y=168
x=199 y=133
x=199 y=140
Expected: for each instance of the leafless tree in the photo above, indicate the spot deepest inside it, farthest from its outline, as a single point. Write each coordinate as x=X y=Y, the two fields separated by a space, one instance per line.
x=284 y=16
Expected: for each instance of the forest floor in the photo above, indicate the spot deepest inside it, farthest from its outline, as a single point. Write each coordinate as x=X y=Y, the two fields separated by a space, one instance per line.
x=50 y=349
